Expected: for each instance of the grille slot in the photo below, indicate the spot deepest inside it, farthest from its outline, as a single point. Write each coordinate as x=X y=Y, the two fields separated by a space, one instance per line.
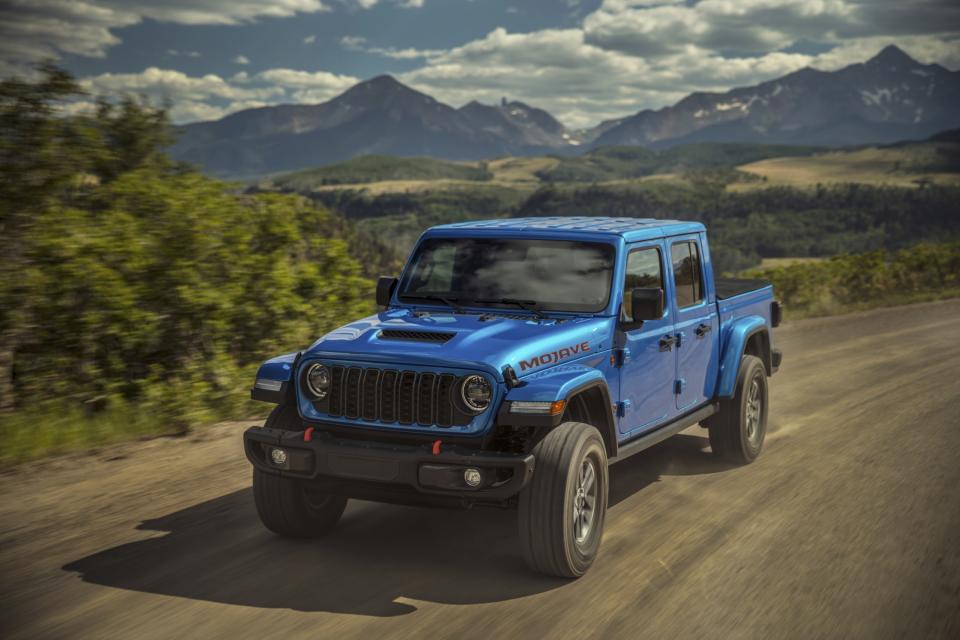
x=416 y=336
x=425 y=398
x=388 y=396
x=444 y=402
x=369 y=403
x=351 y=400
x=336 y=391
x=392 y=396
x=405 y=397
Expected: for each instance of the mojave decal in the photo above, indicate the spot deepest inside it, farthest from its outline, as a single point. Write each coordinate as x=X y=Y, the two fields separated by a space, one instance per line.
x=554 y=356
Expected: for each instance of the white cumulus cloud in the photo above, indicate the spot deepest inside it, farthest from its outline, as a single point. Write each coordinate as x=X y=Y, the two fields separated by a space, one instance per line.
x=32 y=30
x=211 y=96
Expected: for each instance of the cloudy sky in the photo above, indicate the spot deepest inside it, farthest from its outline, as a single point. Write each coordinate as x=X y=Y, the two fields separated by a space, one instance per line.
x=583 y=60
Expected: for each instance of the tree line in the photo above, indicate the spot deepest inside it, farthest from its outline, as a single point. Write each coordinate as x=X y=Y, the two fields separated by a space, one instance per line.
x=745 y=226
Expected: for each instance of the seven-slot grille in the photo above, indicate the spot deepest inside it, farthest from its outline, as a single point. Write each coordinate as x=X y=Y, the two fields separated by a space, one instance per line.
x=390 y=395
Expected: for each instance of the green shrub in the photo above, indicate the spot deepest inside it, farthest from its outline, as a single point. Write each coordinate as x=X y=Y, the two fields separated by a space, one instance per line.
x=859 y=281
x=137 y=296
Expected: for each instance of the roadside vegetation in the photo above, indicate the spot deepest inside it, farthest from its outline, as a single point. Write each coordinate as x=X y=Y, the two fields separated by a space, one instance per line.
x=856 y=282
x=137 y=296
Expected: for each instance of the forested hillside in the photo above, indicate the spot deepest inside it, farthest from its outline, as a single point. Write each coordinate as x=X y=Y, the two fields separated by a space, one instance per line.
x=137 y=295
x=745 y=226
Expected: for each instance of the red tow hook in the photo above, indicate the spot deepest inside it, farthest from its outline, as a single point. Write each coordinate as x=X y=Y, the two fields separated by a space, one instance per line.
x=308 y=434
x=436 y=447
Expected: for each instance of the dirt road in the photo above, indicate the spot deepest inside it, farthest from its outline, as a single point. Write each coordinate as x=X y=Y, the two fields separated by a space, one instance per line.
x=848 y=526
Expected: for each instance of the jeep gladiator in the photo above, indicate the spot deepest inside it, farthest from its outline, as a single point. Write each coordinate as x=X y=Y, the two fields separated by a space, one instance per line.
x=509 y=365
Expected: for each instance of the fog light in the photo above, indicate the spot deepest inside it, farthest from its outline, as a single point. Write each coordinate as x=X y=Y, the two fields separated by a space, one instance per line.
x=279 y=457
x=472 y=477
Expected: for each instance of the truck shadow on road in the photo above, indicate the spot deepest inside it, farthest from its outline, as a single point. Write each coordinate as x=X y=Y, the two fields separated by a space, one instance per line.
x=217 y=551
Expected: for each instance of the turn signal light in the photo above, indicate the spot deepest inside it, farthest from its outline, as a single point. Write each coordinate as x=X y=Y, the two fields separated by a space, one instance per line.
x=539 y=408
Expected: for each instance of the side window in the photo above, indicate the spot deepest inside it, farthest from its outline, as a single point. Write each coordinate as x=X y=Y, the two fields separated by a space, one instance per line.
x=687 y=273
x=643 y=271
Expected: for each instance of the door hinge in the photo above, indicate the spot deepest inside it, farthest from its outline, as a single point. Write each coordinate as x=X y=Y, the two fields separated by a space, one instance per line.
x=678 y=386
x=622 y=407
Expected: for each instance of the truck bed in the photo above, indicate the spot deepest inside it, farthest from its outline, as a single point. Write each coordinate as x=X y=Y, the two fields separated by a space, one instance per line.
x=738 y=298
x=731 y=287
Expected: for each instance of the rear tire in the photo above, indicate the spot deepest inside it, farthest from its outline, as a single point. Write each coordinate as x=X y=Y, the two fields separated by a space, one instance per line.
x=288 y=506
x=738 y=430
x=562 y=510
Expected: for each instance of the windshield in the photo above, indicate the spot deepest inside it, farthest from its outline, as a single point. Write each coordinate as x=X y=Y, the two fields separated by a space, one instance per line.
x=548 y=275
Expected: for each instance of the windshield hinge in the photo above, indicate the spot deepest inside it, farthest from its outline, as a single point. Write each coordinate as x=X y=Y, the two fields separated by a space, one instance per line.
x=510 y=377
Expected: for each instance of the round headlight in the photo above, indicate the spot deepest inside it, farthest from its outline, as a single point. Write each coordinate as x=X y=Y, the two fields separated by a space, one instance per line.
x=317 y=380
x=476 y=393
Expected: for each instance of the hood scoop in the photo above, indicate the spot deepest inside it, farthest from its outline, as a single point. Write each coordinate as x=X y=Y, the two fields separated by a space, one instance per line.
x=436 y=337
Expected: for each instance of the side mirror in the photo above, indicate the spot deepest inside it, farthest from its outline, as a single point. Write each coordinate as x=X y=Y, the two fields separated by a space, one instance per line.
x=385 y=286
x=646 y=304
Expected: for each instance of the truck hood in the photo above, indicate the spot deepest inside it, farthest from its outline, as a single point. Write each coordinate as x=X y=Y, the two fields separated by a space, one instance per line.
x=490 y=342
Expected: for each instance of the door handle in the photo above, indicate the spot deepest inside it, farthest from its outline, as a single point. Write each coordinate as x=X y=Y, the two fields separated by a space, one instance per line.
x=667 y=342
x=703 y=330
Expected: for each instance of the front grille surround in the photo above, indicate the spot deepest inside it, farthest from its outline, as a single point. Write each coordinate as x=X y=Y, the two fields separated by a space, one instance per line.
x=407 y=397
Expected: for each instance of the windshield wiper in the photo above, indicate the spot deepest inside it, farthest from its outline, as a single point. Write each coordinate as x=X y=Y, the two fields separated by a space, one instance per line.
x=526 y=305
x=450 y=302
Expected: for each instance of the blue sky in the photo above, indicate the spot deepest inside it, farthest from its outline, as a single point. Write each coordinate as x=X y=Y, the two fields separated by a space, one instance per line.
x=583 y=60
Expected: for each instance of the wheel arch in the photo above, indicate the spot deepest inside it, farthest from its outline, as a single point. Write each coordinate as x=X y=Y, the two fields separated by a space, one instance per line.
x=591 y=405
x=586 y=399
x=747 y=336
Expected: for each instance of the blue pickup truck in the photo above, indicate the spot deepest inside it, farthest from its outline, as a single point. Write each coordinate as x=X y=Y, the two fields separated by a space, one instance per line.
x=511 y=363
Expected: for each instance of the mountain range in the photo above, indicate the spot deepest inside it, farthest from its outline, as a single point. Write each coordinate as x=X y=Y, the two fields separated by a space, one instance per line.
x=887 y=98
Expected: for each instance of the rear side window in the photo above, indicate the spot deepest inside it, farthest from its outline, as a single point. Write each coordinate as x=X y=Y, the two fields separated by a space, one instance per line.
x=643 y=272
x=687 y=278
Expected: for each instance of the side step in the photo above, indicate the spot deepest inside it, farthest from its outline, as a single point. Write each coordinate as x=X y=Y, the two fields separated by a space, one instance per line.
x=647 y=440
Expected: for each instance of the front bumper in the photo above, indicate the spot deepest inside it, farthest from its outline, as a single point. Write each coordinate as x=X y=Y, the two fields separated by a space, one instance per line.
x=343 y=462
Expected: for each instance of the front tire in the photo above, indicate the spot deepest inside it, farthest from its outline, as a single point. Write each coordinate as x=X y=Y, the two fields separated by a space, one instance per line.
x=288 y=506
x=738 y=430
x=562 y=510
x=291 y=508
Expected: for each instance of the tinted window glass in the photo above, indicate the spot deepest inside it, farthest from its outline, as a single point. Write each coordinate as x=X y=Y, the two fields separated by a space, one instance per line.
x=643 y=271
x=559 y=275
x=686 y=273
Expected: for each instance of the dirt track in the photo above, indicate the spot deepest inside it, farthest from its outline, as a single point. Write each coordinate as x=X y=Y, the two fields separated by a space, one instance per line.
x=847 y=526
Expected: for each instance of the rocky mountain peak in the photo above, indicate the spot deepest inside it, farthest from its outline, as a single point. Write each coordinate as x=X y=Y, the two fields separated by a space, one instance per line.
x=892 y=56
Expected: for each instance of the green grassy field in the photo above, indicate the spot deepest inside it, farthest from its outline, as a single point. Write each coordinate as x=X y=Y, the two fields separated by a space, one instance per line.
x=904 y=165
x=374 y=169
